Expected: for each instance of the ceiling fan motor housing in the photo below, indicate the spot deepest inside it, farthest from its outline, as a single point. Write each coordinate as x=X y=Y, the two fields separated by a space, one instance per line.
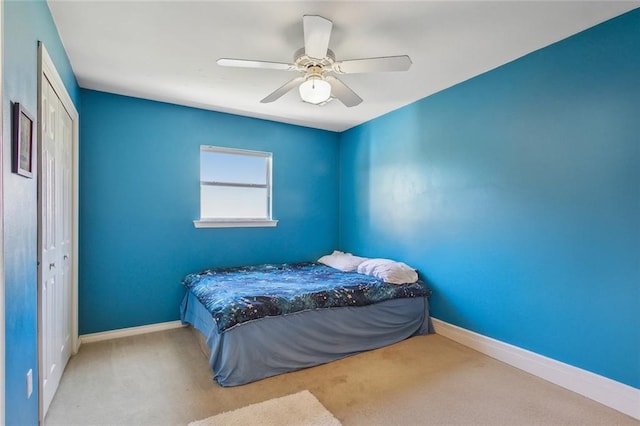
x=305 y=63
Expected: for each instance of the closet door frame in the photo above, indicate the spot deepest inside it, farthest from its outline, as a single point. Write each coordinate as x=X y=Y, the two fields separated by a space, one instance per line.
x=48 y=71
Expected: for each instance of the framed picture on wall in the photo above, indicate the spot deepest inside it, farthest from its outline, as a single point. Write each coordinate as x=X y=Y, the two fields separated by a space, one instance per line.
x=23 y=129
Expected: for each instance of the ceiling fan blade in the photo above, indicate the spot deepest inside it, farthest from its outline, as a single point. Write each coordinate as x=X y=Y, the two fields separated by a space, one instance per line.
x=341 y=91
x=282 y=90
x=317 y=32
x=246 y=63
x=383 y=64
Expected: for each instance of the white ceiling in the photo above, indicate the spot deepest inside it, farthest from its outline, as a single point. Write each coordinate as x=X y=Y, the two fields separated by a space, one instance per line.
x=167 y=50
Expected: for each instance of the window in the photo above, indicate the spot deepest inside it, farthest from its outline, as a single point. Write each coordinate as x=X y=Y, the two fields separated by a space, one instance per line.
x=235 y=188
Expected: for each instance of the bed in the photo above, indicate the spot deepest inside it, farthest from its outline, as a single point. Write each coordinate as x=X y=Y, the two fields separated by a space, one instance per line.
x=260 y=321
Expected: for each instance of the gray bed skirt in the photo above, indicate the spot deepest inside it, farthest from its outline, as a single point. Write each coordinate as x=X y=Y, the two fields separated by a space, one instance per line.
x=273 y=345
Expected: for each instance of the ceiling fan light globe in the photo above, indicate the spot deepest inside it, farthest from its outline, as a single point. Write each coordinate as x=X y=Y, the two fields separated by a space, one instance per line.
x=315 y=90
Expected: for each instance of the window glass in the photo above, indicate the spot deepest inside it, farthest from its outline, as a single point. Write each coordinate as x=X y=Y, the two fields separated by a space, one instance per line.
x=233 y=202
x=238 y=168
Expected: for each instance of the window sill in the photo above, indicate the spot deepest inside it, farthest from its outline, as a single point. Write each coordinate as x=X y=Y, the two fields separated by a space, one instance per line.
x=234 y=223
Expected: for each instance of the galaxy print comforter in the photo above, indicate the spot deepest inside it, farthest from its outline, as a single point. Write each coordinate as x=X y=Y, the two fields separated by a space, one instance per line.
x=241 y=294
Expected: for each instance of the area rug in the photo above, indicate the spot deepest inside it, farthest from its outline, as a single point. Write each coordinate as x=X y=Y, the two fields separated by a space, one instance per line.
x=298 y=409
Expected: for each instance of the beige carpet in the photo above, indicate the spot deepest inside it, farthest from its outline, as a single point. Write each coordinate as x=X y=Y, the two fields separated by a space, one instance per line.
x=299 y=409
x=163 y=379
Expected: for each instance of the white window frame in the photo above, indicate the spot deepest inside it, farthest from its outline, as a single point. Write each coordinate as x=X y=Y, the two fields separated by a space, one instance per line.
x=240 y=222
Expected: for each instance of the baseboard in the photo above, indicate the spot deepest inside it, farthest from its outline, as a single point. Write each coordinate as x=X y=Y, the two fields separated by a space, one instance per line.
x=131 y=331
x=616 y=395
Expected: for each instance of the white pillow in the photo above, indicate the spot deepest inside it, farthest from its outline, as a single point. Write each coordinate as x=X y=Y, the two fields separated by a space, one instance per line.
x=389 y=271
x=345 y=262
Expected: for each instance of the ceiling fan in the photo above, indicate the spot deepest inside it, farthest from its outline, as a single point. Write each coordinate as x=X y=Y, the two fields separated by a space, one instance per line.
x=318 y=83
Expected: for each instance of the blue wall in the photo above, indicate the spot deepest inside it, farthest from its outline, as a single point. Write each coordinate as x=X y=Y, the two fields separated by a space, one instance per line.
x=25 y=23
x=140 y=192
x=517 y=195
